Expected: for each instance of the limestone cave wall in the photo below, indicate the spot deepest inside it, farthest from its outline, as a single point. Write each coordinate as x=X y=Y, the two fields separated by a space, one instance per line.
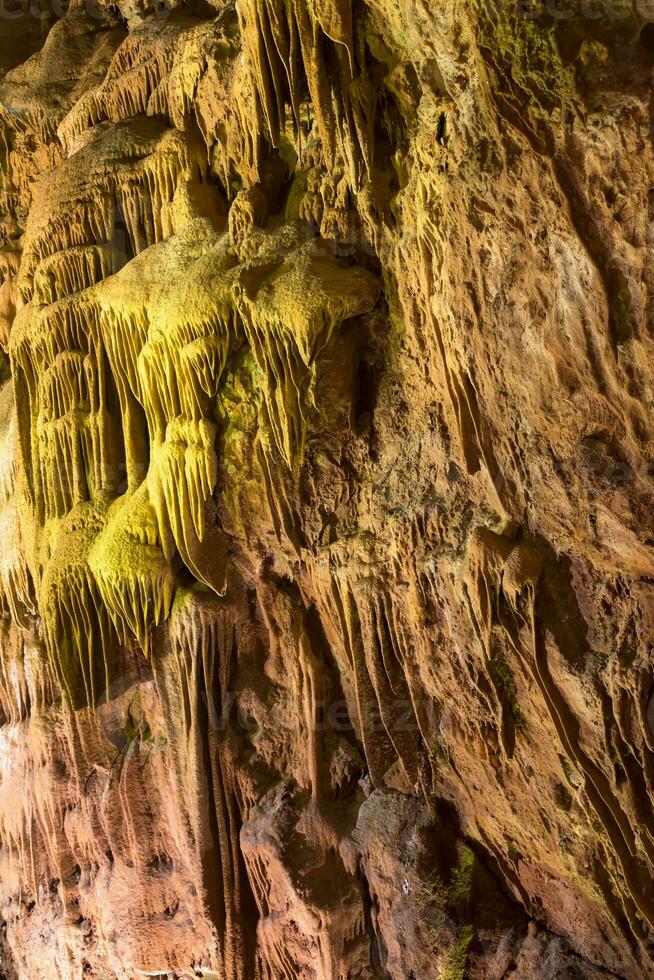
x=326 y=490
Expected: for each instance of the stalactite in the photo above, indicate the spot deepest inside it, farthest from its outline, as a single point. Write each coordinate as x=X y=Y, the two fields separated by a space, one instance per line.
x=295 y=42
x=135 y=188
x=288 y=319
x=134 y=579
x=202 y=642
x=79 y=635
x=73 y=271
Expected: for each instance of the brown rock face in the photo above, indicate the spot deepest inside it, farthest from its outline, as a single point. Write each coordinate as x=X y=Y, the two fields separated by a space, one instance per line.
x=326 y=490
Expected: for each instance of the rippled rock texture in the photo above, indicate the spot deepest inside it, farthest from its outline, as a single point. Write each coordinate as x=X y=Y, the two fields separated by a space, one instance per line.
x=326 y=490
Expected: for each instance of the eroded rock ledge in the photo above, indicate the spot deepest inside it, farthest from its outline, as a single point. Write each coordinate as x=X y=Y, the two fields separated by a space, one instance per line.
x=326 y=510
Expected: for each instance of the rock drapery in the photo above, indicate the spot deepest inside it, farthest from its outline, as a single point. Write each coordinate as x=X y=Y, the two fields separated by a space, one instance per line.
x=326 y=495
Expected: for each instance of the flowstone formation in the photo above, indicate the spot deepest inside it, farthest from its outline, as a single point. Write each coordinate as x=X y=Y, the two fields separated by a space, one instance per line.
x=326 y=493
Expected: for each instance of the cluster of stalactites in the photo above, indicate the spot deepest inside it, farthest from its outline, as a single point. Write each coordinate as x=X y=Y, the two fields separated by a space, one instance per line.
x=75 y=369
x=118 y=399
x=79 y=634
x=369 y=628
x=25 y=679
x=137 y=82
x=67 y=433
x=16 y=599
x=301 y=62
x=294 y=44
x=159 y=70
x=134 y=578
x=167 y=364
x=202 y=637
x=119 y=213
x=202 y=645
x=288 y=324
x=70 y=435
x=73 y=270
x=10 y=255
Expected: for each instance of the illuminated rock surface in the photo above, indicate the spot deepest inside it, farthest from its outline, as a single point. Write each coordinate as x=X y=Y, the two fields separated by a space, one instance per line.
x=326 y=491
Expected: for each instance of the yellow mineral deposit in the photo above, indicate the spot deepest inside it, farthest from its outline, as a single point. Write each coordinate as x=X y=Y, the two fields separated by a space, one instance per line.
x=326 y=499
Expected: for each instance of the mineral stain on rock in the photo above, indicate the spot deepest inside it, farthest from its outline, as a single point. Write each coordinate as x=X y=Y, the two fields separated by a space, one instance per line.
x=326 y=490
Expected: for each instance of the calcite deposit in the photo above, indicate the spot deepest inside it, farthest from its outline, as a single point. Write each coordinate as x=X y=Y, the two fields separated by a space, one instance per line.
x=326 y=490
